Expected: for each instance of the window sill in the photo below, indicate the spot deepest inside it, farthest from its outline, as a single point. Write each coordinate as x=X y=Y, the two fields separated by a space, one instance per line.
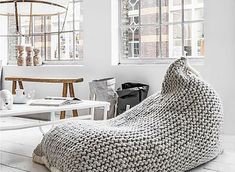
x=197 y=61
x=52 y=63
x=64 y=63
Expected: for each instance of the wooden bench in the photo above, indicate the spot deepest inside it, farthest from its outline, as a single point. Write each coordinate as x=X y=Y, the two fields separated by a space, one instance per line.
x=67 y=85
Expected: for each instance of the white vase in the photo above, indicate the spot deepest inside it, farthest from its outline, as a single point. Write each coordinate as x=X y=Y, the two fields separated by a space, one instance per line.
x=6 y=100
x=20 y=97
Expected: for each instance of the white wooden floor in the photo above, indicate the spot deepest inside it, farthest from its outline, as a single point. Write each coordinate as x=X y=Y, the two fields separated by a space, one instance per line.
x=16 y=149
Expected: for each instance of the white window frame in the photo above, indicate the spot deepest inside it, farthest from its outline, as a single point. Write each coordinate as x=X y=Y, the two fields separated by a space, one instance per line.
x=73 y=61
x=193 y=59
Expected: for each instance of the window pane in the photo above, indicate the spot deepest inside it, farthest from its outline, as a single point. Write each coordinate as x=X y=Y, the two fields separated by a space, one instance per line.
x=52 y=47
x=175 y=16
x=24 y=25
x=187 y=2
x=130 y=41
x=39 y=43
x=173 y=11
x=194 y=39
x=11 y=25
x=78 y=15
x=130 y=12
x=52 y=24
x=172 y=41
x=150 y=41
x=193 y=12
x=66 y=46
x=199 y=14
x=200 y=1
x=66 y=20
x=150 y=12
x=176 y=2
x=165 y=10
x=3 y=38
x=78 y=45
x=38 y=24
x=188 y=15
x=13 y=41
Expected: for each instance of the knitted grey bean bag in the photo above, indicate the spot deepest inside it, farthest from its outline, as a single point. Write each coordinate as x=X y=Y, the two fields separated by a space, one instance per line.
x=175 y=130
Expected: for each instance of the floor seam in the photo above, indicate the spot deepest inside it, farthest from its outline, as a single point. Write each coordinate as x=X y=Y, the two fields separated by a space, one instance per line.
x=15 y=154
x=13 y=167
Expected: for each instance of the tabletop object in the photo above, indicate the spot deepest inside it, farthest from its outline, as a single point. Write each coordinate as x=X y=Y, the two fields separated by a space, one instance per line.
x=67 y=86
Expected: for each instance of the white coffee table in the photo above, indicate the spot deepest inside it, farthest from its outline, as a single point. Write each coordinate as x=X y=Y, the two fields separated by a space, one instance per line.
x=26 y=109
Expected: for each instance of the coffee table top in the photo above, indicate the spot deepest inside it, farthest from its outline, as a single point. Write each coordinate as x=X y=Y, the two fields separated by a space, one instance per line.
x=26 y=109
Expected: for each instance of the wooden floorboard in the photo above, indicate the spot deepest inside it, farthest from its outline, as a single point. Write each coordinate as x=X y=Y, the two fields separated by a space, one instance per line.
x=4 y=168
x=16 y=149
x=22 y=163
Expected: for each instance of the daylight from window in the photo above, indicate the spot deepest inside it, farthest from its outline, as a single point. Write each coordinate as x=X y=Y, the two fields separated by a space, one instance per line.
x=58 y=37
x=158 y=29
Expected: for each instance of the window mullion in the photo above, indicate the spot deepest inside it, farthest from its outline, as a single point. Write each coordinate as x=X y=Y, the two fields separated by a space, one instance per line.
x=31 y=40
x=59 y=37
x=182 y=25
x=45 y=38
x=74 y=34
x=160 y=29
x=193 y=30
x=124 y=31
x=140 y=30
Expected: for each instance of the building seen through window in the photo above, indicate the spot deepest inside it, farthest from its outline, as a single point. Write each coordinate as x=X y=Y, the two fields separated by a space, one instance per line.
x=155 y=29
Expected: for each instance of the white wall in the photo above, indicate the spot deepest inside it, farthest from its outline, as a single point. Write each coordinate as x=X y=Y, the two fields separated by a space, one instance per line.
x=219 y=68
x=3 y=40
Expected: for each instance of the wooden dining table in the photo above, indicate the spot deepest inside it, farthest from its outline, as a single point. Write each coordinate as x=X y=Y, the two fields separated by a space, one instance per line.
x=68 y=85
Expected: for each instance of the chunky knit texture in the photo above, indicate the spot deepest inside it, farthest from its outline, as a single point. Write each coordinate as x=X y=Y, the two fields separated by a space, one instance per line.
x=172 y=131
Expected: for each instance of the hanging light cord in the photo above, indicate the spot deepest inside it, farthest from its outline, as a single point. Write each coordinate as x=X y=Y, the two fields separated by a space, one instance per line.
x=30 y=19
x=64 y=21
x=16 y=17
x=65 y=16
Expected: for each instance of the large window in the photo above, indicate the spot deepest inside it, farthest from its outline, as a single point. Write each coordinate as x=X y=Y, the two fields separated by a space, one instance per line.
x=161 y=29
x=59 y=37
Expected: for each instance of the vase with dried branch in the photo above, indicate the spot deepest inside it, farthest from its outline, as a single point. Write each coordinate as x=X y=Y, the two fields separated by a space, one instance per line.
x=20 y=58
x=29 y=56
x=37 y=60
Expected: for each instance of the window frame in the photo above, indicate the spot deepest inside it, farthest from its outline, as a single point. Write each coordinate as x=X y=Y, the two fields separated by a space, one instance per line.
x=160 y=24
x=59 y=61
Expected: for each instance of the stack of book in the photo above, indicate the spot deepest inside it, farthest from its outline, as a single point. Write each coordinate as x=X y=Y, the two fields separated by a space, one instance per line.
x=55 y=101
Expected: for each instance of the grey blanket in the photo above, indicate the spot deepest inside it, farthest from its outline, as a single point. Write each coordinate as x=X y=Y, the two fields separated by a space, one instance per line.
x=175 y=130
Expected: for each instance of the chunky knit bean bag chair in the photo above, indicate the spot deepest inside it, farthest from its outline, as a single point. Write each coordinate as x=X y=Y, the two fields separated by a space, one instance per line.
x=172 y=131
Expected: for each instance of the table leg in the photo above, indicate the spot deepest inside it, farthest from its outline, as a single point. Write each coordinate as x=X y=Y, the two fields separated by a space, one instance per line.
x=21 y=84
x=72 y=94
x=13 y=87
x=53 y=116
x=106 y=109
x=52 y=119
x=64 y=94
x=93 y=113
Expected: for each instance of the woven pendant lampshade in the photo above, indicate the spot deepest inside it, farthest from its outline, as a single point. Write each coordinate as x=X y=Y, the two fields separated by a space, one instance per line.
x=33 y=7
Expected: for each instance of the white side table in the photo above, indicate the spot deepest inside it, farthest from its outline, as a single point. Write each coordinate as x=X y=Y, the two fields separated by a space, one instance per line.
x=23 y=110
